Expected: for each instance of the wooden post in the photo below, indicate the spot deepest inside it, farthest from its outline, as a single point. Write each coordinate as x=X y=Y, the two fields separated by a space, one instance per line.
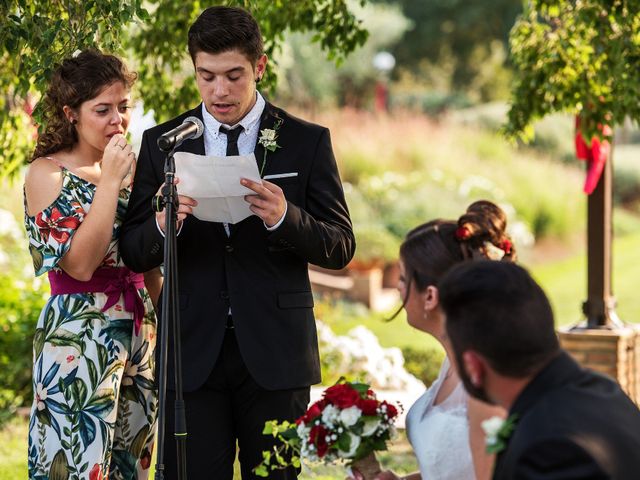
x=599 y=308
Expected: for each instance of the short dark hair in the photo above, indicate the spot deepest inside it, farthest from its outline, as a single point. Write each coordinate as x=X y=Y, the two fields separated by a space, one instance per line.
x=499 y=311
x=220 y=29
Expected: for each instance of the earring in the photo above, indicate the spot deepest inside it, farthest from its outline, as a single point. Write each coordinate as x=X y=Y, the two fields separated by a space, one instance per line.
x=258 y=79
x=74 y=121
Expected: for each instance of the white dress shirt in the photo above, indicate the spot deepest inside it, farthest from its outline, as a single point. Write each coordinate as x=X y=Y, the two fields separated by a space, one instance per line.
x=215 y=143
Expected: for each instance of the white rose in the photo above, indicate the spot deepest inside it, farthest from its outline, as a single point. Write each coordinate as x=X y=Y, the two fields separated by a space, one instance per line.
x=330 y=415
x=371 y=424
x=270 y=134
x=349 y=416
x=491 y=428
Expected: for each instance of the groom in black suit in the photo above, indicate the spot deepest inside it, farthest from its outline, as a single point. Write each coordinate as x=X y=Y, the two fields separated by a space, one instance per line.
x=249 y=344
x=568 y=422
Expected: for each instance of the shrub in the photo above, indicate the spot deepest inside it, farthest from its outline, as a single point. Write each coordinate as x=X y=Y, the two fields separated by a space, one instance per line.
x=19 y=310
x=423 y=364
x=626 y=186
x=21 y=299
x=358 y=355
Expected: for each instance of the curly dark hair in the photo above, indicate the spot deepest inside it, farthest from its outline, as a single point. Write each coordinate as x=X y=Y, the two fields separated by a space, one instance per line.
x=76 y=80
x=432 y=248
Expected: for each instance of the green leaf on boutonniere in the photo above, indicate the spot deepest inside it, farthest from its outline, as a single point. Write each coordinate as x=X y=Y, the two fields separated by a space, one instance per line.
x=269 y=140
x=497 y=432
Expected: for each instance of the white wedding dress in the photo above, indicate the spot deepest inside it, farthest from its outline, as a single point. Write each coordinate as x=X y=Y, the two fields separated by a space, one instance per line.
x=439 y=434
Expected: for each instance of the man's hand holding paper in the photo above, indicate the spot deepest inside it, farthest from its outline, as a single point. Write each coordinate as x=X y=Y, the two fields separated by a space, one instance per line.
x=214 y=182
x=267 y=202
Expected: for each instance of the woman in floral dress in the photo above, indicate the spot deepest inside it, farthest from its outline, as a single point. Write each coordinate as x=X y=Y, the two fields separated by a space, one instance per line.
x=94 y=408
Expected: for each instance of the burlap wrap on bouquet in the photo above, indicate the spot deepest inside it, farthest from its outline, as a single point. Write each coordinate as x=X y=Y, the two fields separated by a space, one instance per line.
x=368 y=466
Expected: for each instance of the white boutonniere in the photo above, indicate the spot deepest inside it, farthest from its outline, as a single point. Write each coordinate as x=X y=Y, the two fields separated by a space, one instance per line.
x=497 y=431
x=269 y=140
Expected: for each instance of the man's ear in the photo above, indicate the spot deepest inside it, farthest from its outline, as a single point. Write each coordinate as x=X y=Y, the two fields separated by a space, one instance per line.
x=431 y=298
x=475 y=367
x=261 y=67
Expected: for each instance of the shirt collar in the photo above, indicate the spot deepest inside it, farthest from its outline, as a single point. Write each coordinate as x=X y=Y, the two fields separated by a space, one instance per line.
x=250 y=121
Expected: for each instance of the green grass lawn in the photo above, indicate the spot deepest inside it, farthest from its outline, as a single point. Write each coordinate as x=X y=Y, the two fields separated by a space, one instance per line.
x=565 y=282
x=13 y=457
x=13 y=450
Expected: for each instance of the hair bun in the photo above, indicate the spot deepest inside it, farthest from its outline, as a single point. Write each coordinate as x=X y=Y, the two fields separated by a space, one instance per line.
x=484 y=224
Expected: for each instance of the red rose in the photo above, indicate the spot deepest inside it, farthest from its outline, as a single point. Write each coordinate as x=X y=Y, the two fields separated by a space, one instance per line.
x=368 y=407
x=342 y=395
x=392 y=411
x=318 y=437
x=313 y=412
x=96 y=472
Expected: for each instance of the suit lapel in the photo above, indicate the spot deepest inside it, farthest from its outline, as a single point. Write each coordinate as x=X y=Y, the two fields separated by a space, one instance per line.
x=267 y=121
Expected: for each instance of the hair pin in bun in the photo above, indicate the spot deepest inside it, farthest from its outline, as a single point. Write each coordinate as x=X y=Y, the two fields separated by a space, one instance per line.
x=462 y=233
x=506 y=245
x=491 y=252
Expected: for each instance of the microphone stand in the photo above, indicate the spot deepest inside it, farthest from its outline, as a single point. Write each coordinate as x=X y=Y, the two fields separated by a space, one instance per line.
x=168 y=200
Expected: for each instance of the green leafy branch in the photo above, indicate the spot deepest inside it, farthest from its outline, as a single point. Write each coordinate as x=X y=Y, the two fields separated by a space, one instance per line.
x=575 y=57
x=285 y=454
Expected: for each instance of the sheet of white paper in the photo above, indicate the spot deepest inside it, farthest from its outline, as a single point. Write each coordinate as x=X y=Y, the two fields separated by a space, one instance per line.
x=215 y=183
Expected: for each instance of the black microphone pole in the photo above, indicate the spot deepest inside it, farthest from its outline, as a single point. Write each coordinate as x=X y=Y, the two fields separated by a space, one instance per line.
x=168 y=200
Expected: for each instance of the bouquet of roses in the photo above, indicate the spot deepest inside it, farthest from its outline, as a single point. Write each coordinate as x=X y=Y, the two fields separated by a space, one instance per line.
x=348 y=424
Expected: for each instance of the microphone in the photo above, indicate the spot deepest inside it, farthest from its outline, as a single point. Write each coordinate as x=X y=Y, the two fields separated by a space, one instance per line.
x=192 y=127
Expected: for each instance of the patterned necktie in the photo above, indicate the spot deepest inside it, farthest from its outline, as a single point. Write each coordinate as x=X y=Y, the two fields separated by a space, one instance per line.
x=232 y=138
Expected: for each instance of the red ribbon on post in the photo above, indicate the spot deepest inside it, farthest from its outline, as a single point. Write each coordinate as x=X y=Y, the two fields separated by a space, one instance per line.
x=595 y=156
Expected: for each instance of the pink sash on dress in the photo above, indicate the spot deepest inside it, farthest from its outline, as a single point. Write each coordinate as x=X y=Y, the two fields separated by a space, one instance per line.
x=112 y=281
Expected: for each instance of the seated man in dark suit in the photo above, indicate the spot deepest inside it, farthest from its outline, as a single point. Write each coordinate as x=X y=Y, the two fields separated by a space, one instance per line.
x=567 y=422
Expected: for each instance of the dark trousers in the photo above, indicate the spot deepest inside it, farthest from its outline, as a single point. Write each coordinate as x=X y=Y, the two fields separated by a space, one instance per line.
x=230 y=407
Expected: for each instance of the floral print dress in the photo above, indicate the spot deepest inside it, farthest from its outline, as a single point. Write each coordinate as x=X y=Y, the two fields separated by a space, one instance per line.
x=94 y=410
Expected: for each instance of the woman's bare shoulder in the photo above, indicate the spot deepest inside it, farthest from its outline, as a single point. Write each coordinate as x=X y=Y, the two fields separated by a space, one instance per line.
x=42 y=184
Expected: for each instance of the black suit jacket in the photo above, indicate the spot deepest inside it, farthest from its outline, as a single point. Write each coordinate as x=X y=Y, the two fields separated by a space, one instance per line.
x=572 y=424
x=261 y=275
